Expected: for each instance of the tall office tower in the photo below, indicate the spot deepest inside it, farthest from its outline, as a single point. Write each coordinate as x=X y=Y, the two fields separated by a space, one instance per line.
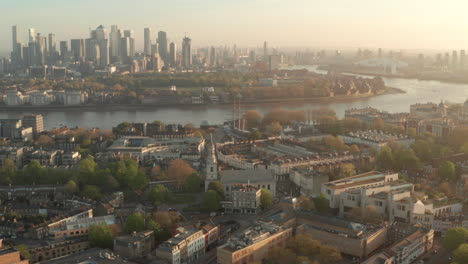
x=124 y=47
x=147 y=44
x=454 y=61
x=36 y=121
x=252 y=56
x=100 y=33
x=462 y=61
x=104 y=52
x=114 y=42
x=14 y=34
x=32 y=35
x=97 y=46
x=154 y=49
x=162 y=42
x=172 y=53
x=186 y=53
x=213 y=56
x=41 y=44
x=129 y=34
x=379 y=52
x=52 y=59
x=447 y=60
x=26 y=60
x=63 y=48
x=265 y=49
x=52 y=43
x=92 y=49
x=78 y=48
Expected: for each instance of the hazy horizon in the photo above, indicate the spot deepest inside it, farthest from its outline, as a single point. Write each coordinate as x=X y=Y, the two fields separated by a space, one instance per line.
x=418 y=25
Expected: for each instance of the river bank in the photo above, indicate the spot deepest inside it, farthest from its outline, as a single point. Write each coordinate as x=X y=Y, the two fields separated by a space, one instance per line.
x=401 y=76
x=121 y=107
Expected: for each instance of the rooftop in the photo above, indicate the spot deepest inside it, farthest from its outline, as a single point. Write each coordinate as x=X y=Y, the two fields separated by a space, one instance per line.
x=254 y=234
x=244 y=176
x=337 y=226
x=364 y=178
x=90 y=256
x=135 y=237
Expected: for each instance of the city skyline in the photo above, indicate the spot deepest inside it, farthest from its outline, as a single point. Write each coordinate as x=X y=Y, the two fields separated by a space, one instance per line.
x=284 y=24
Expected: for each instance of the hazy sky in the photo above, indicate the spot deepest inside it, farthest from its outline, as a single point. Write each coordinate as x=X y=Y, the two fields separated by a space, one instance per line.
x=407 y=24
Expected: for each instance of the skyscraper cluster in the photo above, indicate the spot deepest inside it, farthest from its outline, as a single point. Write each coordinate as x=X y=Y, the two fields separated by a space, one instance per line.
x=108 y=50
x=36 y=52
x=100 y=49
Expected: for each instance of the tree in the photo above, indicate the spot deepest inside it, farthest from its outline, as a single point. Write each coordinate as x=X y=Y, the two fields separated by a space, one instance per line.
x=385 y=158
x=71 y=186
x=217 y=186
x=135 y=223
x=423 y=150
x=8 y=172
x=87 y=168
x=379 y=124
x=166 y=219
x=24 y=251
x=447 y=170
x=92 y=192
x=179 y=170
x=193 y=183
x=100 y=236
x=303 y=249
x=405 y=159
x=306 y=203
x=371 y=215
x=460 y=255
x=255 y=135
x=274 y=128
x=159 y=194
x=211 y=201
x=354 y=149
x=44 y=141
x=455 y=237
x=266 y=199
x=321 y=203
x=347 y=170
x=253 y=118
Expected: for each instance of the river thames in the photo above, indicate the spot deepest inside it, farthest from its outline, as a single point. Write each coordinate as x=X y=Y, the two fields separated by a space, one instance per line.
x=417 y=91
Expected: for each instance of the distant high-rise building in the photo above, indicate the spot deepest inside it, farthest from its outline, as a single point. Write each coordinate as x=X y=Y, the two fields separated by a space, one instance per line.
x=52 y=44
x=129 y=34
x=114 y=41
x=447 y=60
x=154 y=49
x=186 y=53
x=162 y=42
x=32 y=35
x=462 y=61
x=78 y=48
x=52 y=52
x=213 y=56
x=147 y=44
x=124 y=47
x=97 y=46
x=41 y=44
x=252 y=56
x=63 y=48
x=101 y=33
x=265 y=49
x=454 y=61
x=14 y=33
x=172 y=53
x=379 y=53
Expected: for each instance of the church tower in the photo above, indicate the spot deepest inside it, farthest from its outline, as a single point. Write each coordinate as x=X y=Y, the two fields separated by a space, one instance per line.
x=211 y=173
